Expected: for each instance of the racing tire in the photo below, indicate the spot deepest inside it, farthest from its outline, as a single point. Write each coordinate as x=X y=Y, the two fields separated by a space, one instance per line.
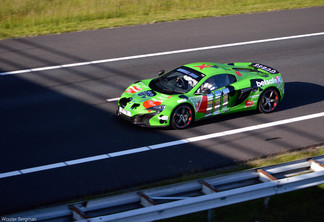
x=182 y=116
x=268 y=100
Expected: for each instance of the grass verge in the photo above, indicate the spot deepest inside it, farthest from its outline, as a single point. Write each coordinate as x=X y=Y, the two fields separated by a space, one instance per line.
x=20 y=18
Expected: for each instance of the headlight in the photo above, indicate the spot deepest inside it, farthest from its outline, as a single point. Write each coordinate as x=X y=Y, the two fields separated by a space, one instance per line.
x=156 y=108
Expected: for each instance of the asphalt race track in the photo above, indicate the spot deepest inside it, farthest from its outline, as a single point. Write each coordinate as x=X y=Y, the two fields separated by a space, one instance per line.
x=57 y=113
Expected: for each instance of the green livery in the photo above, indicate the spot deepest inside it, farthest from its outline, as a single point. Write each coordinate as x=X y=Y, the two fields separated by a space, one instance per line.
x=200 y=90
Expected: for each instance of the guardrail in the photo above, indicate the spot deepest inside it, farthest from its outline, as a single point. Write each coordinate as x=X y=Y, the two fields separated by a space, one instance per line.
x=189 y=197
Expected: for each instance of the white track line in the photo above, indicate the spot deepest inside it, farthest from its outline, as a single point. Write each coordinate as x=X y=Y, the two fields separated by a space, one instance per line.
x=158 y=146
x=158 y=54
x=87 y=159
x=41 y=168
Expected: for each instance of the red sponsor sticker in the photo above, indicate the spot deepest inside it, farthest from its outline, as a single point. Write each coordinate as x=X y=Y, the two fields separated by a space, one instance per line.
x=201 y=106
x=150 y=103
x=133 y=89
x=248 y=103
x=203 y=66
x=238 y=73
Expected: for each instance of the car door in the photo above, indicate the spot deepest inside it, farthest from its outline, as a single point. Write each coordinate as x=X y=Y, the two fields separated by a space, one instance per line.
x=216 y=92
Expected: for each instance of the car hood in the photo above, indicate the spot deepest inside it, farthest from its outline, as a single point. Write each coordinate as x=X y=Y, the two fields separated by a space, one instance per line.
x=139 y=96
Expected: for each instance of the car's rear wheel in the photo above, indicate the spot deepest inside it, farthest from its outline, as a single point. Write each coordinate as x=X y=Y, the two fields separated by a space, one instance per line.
x=182 y=117
x=269 y=100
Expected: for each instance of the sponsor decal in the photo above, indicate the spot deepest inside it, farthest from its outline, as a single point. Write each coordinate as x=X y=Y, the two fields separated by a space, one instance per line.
x=238 y=73
x=255 y=96
x=195 y=101
x=248 y=103
x=203 y=66
x=188 y=73
x=265 y=68
x=200 y=103
x=142 y=85
x=201 y=106
x=134 y=106
x=161 y=97
x=133 y=89
x=123 y=101
x=163 y=119
x=207 y=66
x=217 y=105
x=150 y=103
x=181 y=100
x=143 y=96
x=276 y=80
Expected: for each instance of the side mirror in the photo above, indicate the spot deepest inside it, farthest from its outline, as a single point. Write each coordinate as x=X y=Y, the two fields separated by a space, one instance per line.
x=161 y=72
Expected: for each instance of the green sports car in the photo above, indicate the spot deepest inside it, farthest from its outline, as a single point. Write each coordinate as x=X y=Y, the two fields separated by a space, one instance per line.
x=200 y=90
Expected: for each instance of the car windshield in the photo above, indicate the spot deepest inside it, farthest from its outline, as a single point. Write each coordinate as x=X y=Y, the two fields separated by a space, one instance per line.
x=178 y=81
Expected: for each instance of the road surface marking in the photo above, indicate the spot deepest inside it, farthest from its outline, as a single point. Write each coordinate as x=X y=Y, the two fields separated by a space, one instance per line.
x=157 y=146
x=159 y=54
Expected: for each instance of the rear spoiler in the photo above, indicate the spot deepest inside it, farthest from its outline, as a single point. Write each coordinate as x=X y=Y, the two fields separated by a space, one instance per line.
x=265 y=68
x=254 y=66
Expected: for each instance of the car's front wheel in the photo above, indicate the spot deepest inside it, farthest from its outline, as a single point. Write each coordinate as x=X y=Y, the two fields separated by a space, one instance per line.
x=269 y=100
x=182 y=116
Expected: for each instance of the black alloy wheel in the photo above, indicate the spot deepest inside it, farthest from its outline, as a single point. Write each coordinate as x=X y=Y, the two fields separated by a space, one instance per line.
x=269 y=100
x=182 y=117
